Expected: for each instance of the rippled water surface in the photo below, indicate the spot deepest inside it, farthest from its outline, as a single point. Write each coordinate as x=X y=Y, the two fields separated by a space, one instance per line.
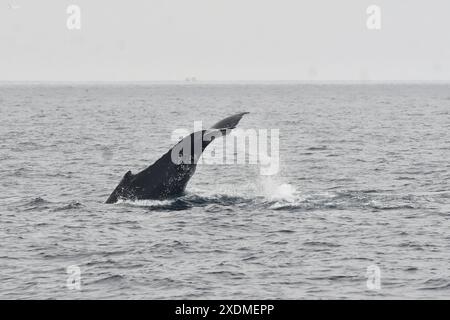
x=364 y=180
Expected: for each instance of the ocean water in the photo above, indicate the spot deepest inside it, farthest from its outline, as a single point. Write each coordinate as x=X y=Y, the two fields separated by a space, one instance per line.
x=364 y=182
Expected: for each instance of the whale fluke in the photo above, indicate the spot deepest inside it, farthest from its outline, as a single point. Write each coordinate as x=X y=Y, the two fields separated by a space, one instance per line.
x=229 y=122
x=170 y=174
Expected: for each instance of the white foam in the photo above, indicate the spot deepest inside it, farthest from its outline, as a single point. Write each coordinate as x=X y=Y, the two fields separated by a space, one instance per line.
x=145 y=203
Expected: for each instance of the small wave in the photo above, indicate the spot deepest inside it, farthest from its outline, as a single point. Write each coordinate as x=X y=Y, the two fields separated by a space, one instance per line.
x=36 y=203
x=436 y=284
x=321 y=244
x=108 y=279
x=21 y=172
x=284 y=231
x=374 y=205
x=236 y=275
x=411 y=269
x=319 y=148
x=71 y=206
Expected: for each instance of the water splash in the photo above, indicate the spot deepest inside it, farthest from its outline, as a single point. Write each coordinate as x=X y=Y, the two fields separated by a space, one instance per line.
x=274 y=190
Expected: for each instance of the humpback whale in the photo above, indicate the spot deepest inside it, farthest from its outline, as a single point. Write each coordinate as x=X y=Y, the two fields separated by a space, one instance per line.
x=170 y=174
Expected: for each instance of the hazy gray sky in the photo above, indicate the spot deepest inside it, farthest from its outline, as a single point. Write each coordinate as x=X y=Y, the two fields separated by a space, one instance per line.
x=140 y=40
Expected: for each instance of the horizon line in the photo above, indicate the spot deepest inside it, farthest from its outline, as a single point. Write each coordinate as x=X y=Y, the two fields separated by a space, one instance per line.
x=190 y=82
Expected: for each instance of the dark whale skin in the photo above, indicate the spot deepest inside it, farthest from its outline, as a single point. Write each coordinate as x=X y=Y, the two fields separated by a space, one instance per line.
x=165 y=178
